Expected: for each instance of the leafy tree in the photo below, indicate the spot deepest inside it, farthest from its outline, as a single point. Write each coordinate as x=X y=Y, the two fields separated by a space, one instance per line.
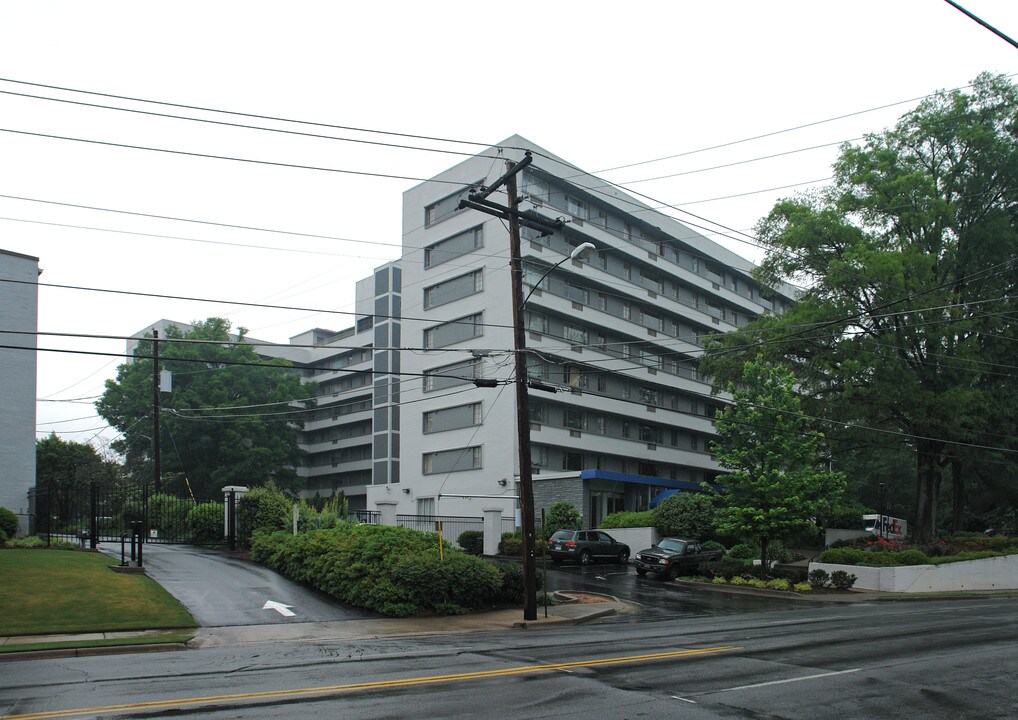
x=65 y=469
x=775 y=489
x=905 y=330
x=227 y=420
x=686 y=514
x=562 y=516
x=8 y=524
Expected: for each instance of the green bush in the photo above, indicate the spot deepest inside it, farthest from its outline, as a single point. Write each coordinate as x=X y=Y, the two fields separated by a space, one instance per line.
x=263 y=509
x=758 y=583
x=511 y=544
x=802 y=587
x=562 y=516
x=737 y=580
x=8 y=522
x=469 y=539
x=512 y=582
x=819 y=578
x=321 y=514
x=720 y=581
x=744 y=551
x=842 y=580
x=205 y=522
x=168 y=514
x=628 y=520
x=29 y=541
x=877 y=558
x=391 y=570
x=725 y=567
x=712 y=545
x=842 y=556
x=3 y=538
x=778 y=584
x=686 y=514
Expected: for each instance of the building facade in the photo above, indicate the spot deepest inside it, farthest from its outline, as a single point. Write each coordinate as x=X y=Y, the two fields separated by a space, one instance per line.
x=416 y=408
x=614 y=339
x=19 y=300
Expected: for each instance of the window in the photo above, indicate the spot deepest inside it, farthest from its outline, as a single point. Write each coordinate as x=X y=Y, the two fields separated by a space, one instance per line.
x=452 y=418
x=627 y=310
x=447 y=461
x=447 y=376
x=454 y=289
x=426 y=506
x=454 y=331
x=574 y=376
x=572 y=419
x=627 y=271
x=446 y=207
x=536 y=188
x=575 y=335
x=576 y=207
x=650 y=434
x=539 y=456
x=602 y=302
x=536 y=322
x=453 y=247
x=649 y=396
x=577 y=294
x=572 y=461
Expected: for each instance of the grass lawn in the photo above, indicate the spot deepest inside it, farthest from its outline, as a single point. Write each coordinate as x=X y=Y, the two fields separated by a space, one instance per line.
x=68 y=591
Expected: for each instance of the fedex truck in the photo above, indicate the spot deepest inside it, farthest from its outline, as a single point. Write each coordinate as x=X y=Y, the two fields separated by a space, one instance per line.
x=885 y=526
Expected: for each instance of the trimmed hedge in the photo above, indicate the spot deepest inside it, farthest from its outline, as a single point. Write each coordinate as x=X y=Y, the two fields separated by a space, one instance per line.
x=880 y=558
x=628 y=520
x=392 y=570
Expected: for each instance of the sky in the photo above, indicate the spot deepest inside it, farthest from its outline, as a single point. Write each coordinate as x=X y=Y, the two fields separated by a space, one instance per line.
x=642 y=96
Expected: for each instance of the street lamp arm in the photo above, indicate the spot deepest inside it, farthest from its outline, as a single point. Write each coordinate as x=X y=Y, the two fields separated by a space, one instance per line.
x=580 y=252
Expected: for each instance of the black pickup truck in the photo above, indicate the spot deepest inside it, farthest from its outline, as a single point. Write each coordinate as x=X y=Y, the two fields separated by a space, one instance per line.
x=672 y=557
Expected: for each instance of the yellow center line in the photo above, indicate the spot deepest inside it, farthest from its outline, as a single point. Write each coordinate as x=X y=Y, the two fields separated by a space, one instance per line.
x=329 y=689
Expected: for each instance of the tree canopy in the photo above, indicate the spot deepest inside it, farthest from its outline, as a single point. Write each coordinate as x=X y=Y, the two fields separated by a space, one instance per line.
x=904 y=334
x=230 y=418
x=777 y=486
x=65 y=470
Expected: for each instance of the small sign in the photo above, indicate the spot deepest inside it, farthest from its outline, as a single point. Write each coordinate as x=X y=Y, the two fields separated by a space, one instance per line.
x=152 y=533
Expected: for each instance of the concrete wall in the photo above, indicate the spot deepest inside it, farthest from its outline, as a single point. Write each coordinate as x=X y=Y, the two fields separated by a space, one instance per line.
x=636 y=538
x=19 y=308
x=997 y=573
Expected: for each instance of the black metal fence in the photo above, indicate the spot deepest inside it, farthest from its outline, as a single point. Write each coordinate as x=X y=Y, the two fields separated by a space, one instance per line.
x=110 y=514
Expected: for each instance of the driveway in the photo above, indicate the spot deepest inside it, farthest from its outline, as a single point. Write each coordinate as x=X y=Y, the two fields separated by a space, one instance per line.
x=220 y=589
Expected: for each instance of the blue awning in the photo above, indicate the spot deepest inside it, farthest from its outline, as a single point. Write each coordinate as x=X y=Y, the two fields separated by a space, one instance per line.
x=640 y=480
x=662 y=496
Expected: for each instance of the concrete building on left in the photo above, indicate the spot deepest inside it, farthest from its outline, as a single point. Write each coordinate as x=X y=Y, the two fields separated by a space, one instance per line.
x=19 y=307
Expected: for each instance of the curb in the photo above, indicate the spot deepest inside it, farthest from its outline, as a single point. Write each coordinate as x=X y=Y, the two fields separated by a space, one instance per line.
x=90 y=651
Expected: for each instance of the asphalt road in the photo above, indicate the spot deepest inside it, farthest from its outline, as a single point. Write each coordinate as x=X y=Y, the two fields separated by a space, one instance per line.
x=220 y=589
x=939 y=660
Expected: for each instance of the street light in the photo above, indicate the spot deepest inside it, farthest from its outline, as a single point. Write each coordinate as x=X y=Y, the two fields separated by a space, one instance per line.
x=580 y=252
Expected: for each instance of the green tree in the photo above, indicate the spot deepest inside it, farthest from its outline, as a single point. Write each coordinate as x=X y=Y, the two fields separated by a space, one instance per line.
x=686 y=514
x=776 y=489
x=228 y=420
x=905 y=330
x=64 y=469
x=562 y=516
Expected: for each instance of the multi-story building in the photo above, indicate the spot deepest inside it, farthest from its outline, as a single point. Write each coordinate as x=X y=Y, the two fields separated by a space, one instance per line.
x=616 y=336
x=19 y=298
x=625 y=418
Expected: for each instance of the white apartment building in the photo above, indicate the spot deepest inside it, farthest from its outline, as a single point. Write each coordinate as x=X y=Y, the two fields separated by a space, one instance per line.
x=625 y=417
x=617 y=336
x=19 y=301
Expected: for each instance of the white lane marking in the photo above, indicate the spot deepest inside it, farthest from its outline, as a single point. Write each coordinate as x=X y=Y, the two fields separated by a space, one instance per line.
x=691 y=702
x=279 y=607
x=789 y=680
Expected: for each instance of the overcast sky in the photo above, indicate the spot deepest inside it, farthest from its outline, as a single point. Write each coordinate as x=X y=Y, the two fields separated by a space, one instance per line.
x=598 y=85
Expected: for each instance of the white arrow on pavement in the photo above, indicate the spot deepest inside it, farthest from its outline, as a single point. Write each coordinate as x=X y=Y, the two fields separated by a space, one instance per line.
x=280 y=608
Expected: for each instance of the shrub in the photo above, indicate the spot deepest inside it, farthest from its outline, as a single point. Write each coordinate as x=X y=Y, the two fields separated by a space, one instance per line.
x=628 y=520
x=778 y=584
x=264 y=509
x=511 y=590
x=725 y=567
x=712 y=545
x=30 y=541
x=720 y=581
x=469 y=539
x=777 y=552
x=744 y=551
x=757 y=583
x=792 y=573
x=686 y=514
x=8 y=522
x=842 y=556
x=562 y=516
x=802 y=587
x=205 y=522
x=842 y=580
x=739 y=580
x=391 y=570
x=511 y=544
x=819 y=578
x=3 y=538
x=168 y=514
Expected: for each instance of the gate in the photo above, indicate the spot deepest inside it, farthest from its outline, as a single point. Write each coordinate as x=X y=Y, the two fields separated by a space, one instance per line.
x=112 y=514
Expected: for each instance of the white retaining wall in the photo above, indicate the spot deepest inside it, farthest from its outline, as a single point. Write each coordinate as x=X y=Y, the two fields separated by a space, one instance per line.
x=996 y=573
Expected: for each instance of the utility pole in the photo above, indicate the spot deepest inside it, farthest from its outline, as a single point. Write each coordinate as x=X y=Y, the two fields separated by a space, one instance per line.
x=511 y=213
x=157 y=471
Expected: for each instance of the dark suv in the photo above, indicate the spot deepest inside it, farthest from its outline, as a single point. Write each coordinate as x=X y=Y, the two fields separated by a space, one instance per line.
x=584 y=546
